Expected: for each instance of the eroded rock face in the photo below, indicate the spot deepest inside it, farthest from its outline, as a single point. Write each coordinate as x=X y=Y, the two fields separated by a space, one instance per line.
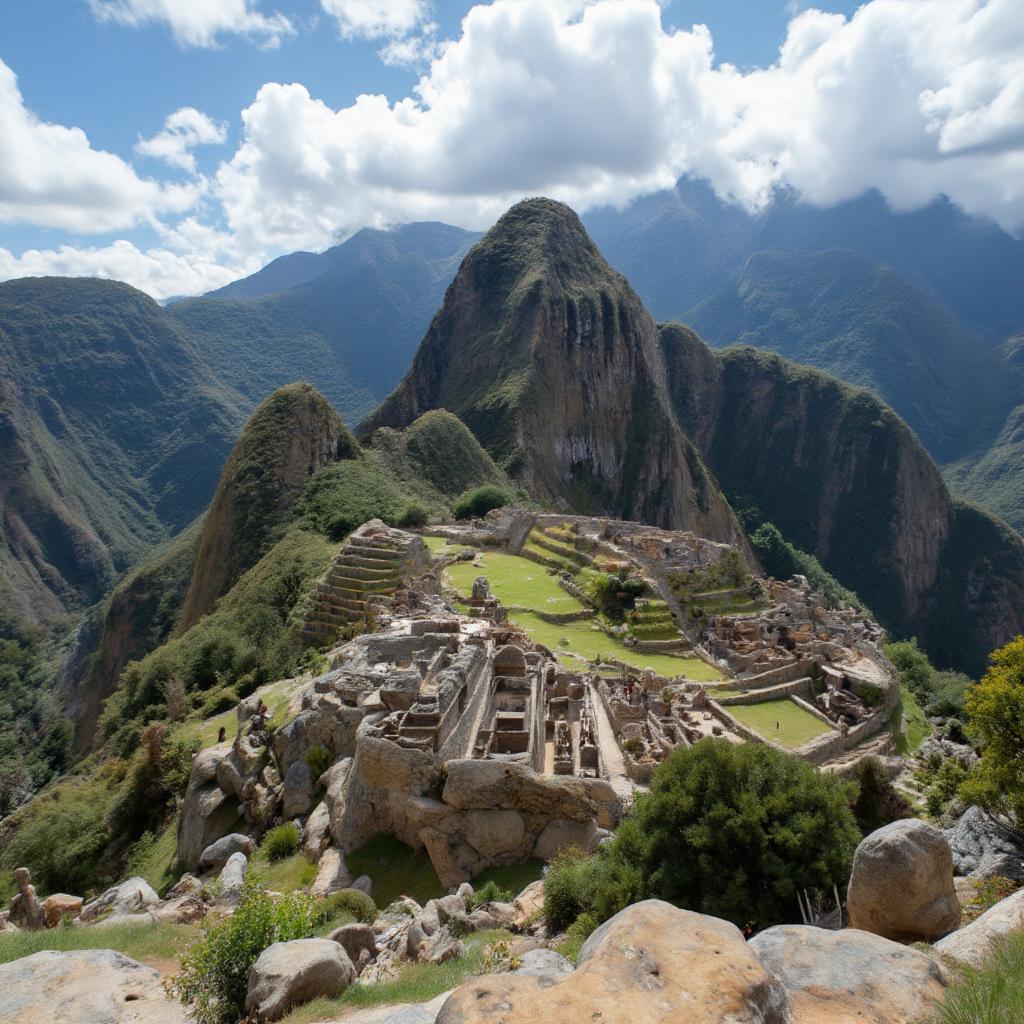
x=59 y=906
x=651 y=963
x=840 y=977
x=487 y=785
x=96 y=986
x=207 y=812
x=332 y=874
x=288 y=974
x=132 y=897
x=983 y=848
x=26 y=909
x=972 y=944
x=901 y=886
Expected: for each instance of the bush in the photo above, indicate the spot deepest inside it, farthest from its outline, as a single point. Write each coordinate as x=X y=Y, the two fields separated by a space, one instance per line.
x=213 y=977
x=318 y=760
x=413 y=516
x=489 y=892
x=348 y=901
x=281 y=842
x=480 y=501
x=731 y=831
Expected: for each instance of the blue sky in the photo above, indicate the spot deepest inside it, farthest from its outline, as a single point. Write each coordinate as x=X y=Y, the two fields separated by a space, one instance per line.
x=593 y=101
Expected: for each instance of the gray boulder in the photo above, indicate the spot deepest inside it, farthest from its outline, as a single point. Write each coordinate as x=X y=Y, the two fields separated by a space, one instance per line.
x=364 y=883
x=216 y=855
x=973 y=943
x=332 y=874
x=298 y=790
x=355 y=938
x=901 y=886
x=232 y=878
x=288 y=974
x=131 y=897
x=835 y=976
x=95 y=986
x=543 y=963
x=560 y=833
x=985 y=848
x=316 y=834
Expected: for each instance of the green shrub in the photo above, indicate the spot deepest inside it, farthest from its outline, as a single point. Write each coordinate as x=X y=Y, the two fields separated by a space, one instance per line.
x=213 y=978
x=489 y=892
x=479 y=501
x=597 y=885
x=991 y=994
x=281 y=842
x=348 y=901
x=413 y=516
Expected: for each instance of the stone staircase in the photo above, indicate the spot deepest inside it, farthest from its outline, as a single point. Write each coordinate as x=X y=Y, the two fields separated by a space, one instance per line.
x=364 y=569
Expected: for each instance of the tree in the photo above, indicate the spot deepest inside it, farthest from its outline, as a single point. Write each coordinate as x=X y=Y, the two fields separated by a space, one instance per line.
x=995 y=718
x=738 y=831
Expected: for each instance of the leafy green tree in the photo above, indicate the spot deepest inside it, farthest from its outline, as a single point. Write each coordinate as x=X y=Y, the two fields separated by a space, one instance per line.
x=995 y=717
x=738 y=831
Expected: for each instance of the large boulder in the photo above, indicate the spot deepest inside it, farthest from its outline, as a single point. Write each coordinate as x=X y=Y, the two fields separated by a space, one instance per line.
x=849 y=976
x=973 y=943
x=328 y=723
x=651 y=963
x=355 y=938
x=901 y=886
x=297 y=796
x=132 y=897
x=95 y=986
x=985 y=848
x=332 y=874
x=473 y=785
x=232 y=878
x=316 y=834
x=560 y=833
x=492 y=833
x=288 y=974
x=216 y=855
x=60 y=907
x=207 y=811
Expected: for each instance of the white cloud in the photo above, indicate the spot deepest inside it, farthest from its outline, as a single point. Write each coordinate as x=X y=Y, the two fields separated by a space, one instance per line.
x=377 y=19
x=51 y=176
x=199 y=22
x=590 y=101
x=157 y=271
x=182 y=131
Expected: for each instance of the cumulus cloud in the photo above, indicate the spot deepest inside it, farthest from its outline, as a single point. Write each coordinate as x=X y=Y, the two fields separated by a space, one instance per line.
x=182 y=131
x=590 y=101
x=51 y=176
x=597 y=103
x=199 y=22
x=377 y=19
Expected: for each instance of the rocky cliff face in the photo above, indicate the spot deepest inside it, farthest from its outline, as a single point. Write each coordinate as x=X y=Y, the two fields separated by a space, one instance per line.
x=843 y=477
x=550 y=358
x=290 y=436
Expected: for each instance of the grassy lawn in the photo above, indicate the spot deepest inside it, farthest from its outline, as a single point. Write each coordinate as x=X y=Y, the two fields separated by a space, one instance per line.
x=915 y=725
x=139 y=941
x=588 y=641
x=781 y=721
x=442 y=546
x=416 y=983
x=396 y=870
x=515 y=581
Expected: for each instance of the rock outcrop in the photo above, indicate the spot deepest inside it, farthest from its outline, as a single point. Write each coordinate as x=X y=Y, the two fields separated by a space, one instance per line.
x=288 y=974
x=973 y=943
x=985 y=848
x=551 y=360
x=837 y=977
x=217 y=854
x=288 y=438
x=134 y=896
x=84 y=987
x=901 y=886
x=650 y=963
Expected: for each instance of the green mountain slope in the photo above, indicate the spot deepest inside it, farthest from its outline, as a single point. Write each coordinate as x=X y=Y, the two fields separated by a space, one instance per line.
x=856 y=318
x=348 y=319
x=112 y=433
x=550 y=359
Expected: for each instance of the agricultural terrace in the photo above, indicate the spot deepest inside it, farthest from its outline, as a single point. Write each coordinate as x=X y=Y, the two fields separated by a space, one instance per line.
x=526 y=589
x=782 y=721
